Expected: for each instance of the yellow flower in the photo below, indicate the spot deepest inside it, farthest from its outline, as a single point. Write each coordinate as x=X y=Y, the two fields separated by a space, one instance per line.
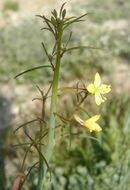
x=98 y=89
x=90 y=123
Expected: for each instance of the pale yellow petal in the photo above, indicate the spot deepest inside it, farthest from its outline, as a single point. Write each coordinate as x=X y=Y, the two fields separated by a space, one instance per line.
x=98 y=98
x=104 y=88
x=94 y=118
x=92 y=126
x=89 y=125
x=97 y=127
x=97 y=81
x=91 y=88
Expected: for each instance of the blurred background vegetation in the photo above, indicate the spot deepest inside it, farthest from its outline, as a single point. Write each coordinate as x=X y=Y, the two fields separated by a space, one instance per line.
x=82 y=163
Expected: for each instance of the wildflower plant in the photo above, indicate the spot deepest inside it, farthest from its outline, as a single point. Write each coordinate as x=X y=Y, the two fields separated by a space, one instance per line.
x=57 y=25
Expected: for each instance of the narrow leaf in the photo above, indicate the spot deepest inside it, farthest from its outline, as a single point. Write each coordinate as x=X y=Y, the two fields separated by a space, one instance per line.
x=48 y=22
x=78 y=19
x=68 y=39
x=23 y=125
x=62 y=8
x=30 y=169
x=45 y=28
x=48 y=56
x=32 y=69
x=25 y=144
x=43 y=17
x=70 y=18
x=82 y=47
x=40 y=153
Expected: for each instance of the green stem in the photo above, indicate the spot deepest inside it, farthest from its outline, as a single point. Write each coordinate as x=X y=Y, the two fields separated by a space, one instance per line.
x=51 y=136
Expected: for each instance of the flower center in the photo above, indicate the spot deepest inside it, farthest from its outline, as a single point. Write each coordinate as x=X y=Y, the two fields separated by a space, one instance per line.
x=96 y=89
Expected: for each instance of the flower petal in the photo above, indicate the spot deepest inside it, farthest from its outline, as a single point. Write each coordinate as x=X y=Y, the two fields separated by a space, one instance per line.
x=92 y=126
x=94 y=118
x=97 y=81
x=98 y=99
x=91 y=88
x=89 y=125
x=97 y=127
x=104 y=88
